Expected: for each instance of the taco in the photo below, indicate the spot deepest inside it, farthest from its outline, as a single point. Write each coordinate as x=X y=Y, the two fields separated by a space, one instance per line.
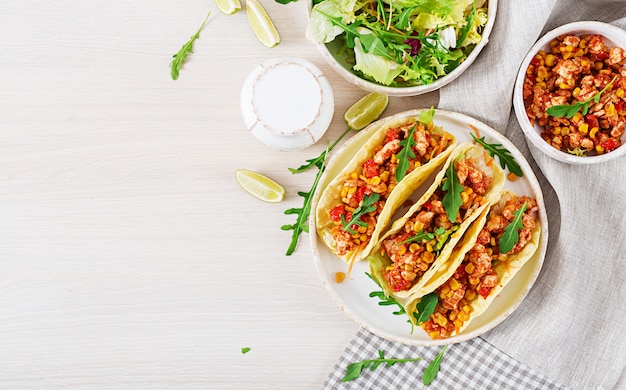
x=359 y=202
x=480 y=271
x=422 y=241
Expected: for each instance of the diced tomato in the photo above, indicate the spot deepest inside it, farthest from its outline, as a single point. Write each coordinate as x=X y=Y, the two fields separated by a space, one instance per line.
x=428 y=206
x=535 y=61
x=360 y=194
x=400 y=284
x=610 y=144
x=460 y=272
x=619 y=106
x=392 y=134
x=592 y=121
x=370 y=168
x=484 y=291
x=602 y=56
x=337 y=212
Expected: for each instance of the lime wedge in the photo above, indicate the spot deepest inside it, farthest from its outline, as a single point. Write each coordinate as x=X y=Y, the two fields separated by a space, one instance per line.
x=261 y=24
x=366 y=110
x=260 y=186
x=228 y=7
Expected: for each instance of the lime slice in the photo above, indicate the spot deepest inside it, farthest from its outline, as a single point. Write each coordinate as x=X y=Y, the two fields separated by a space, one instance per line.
x=366 y=110
x=228 y=7
x=260 y=186
x=261 y=24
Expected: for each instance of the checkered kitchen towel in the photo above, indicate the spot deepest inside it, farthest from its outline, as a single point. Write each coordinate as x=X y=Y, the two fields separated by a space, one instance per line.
x=473 y=364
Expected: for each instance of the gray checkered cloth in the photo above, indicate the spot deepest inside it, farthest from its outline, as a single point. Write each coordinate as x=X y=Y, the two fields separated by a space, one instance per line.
x=473 y=364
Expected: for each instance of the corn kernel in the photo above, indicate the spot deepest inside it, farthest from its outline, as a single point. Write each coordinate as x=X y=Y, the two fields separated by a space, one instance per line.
x=375 y=180
x=351 y=190
x=428 y=257
x=579 y=53
x=592 y=133
x=567 y=55
x=464 y=197
x=474 y=281
x=549 y=60
x=556 y=131
x=414 y=247
x=569 y=48
x=583 y=128
x=599 y=65
x=362 y=229
x=454 y=284
x=429 y=247
x=470 y=295
x=620 y=93
x=458 y=323
x=384 y=176
x=344 y=192
x=600 y=149
x=577 y=117
x=402 y=250
x=354 y=175
x=453 y=315
x=610 y=110
x=564 y=86
x=463 y=316
x=469 y=268
x=445 y=289
x=417 y=226
x=434 y=335
x=467 y=309
x=492 y=241
x=576 y=92
x=565 y=130
x=440 y=319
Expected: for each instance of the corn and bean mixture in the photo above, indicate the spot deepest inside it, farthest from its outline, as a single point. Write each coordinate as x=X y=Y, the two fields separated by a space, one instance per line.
x=475 y=275
x=377 y=175
x=412 y=259
x=575 y=69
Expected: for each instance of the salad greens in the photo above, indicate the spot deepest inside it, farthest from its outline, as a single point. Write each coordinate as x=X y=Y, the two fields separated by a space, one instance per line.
x=401 y=42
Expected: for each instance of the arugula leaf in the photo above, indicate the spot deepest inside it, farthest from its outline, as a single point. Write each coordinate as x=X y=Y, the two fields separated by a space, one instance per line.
x=319 y=160
x=405 y=154
x=505 y=157
x=426 y=307
x=422 y=235
x=569 y=110
x=245 y=350
x=510 y=237
x=303 y=212
x=433 y=368
x=452 y=201
x=353 y=371
x=388 y=301
x=180 y=57
x=368 y=204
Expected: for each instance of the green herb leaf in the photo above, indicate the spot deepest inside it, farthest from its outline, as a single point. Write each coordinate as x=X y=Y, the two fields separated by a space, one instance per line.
x=424 y=236
x=426 y=307
x=368 y=204
x=353 y=371
x=452 y=201
x=303 y=213
x=465 y=30
x=405 y=154
x=510 y=237
x=433 y=368
x=245 y=350
x=180 y=57
x=505 y=157
x=569 y=110
x=387 y=300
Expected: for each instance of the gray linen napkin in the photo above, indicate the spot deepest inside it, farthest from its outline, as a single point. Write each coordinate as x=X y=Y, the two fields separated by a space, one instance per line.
x=571 y=327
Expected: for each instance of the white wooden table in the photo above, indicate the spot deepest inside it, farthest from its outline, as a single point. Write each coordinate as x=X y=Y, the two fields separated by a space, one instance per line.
x=130 y=257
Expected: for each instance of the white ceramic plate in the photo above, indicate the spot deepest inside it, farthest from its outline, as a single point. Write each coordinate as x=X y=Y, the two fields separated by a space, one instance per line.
x=352 y=296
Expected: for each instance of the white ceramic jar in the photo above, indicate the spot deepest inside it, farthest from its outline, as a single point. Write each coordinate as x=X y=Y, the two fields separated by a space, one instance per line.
x=287 y=103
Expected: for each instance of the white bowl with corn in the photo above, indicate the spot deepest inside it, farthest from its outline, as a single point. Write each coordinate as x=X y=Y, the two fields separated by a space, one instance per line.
x=570 y=93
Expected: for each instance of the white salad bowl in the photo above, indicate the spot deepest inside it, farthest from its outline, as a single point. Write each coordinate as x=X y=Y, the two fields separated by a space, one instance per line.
x=334 y=53
x=613 y=36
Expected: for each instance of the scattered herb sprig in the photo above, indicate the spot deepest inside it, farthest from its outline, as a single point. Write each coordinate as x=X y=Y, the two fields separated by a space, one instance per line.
x=319 y=160
x=569 y=110
x=180 y=57
x=405 y=154
x=388 y=301
x=426 y=307
x=422 y=235
x=430 y=373
x=452 y=200
x=510 y=237
x=303 y=212
x=245 y=350
x=368 y=204
x=505 y=157
x=353 y=370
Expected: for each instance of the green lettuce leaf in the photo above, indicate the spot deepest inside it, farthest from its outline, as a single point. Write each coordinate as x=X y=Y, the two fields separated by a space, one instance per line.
x=320 y=28
x=381 y=69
